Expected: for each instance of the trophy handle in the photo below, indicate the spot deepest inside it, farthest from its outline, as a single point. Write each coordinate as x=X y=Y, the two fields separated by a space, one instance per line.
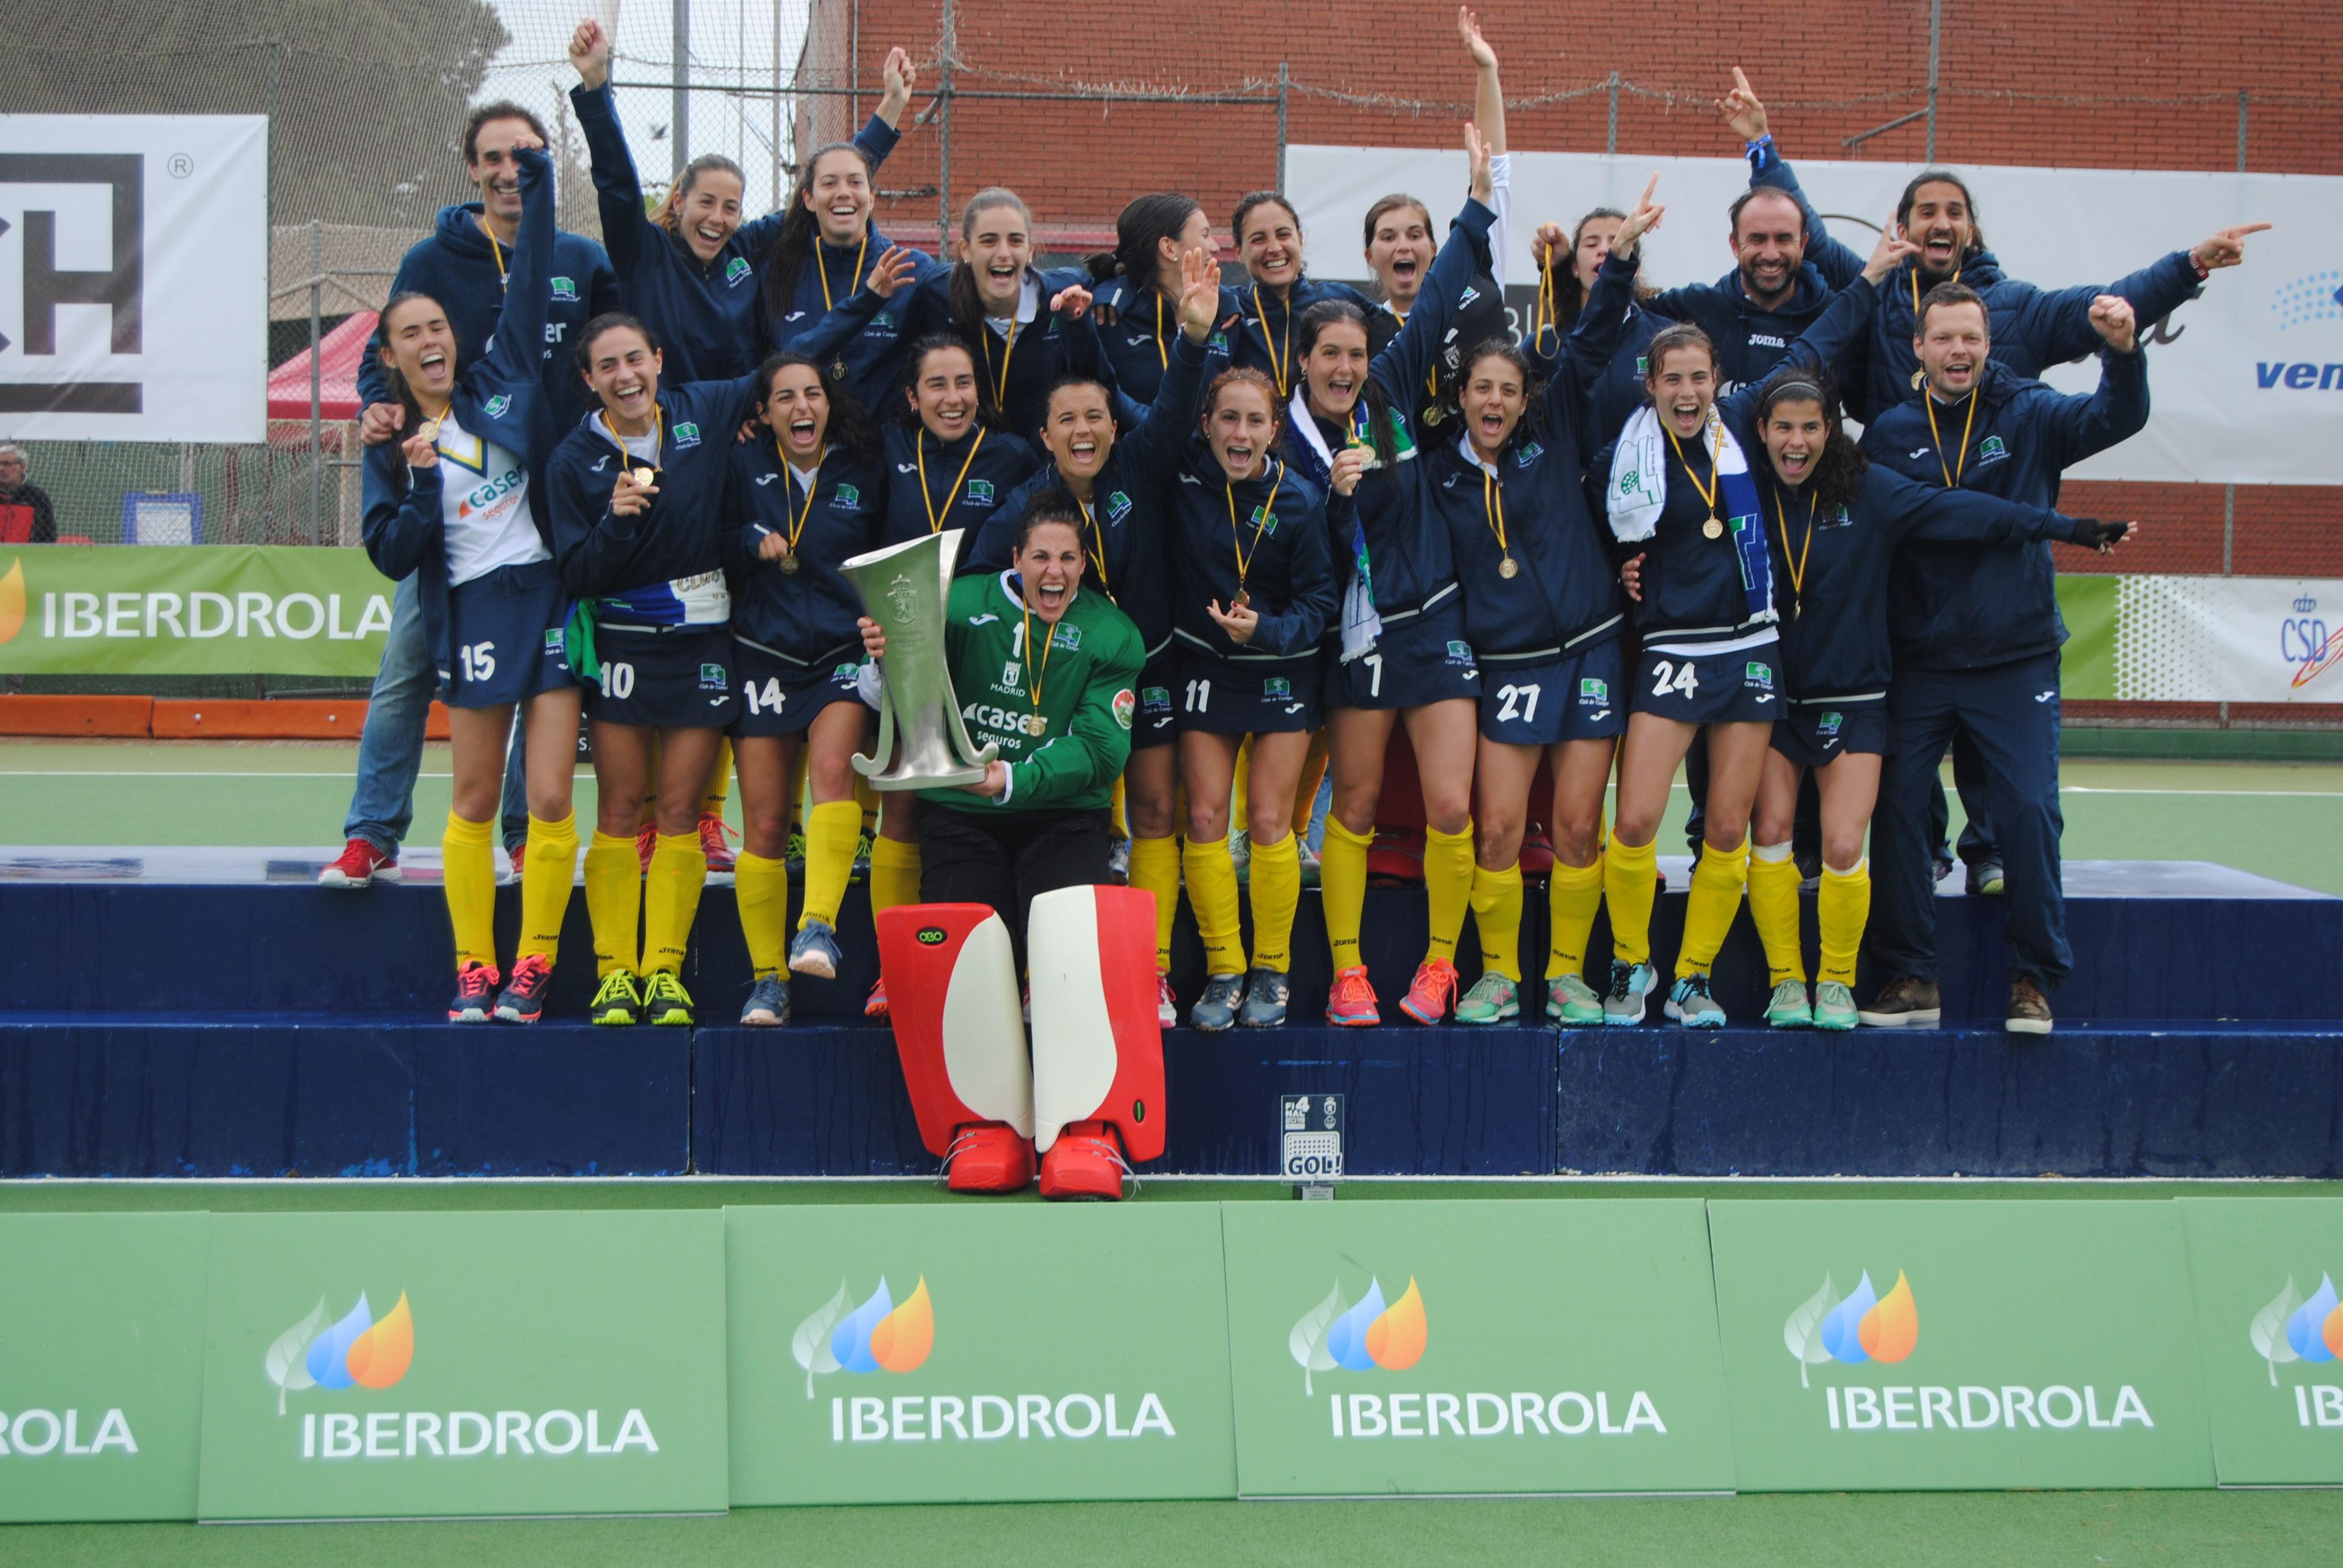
x=872 y=766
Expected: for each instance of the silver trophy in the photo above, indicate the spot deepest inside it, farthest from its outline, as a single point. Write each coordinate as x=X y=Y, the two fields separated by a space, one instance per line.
x=904 y=588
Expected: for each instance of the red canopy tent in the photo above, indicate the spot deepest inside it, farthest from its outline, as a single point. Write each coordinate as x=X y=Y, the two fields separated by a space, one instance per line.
x=337 y=357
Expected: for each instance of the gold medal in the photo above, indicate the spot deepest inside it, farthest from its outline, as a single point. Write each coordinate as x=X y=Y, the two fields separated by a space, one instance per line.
x=1712 y=528
x=643 y=476
x=1238 y=603
x=1509 y=568
x=838 y=369
x=1035 y=724
x=789 y=563
x=428 y=430
x=1433 y=416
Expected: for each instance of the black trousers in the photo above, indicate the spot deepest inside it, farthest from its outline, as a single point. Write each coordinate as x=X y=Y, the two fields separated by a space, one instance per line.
x=1006 y=858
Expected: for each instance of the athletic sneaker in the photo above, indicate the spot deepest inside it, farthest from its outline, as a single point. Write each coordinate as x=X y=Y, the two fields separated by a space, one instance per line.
x=1216 y=1008
x=769 y=1003
x=1790 y=1009
x=814 y=950
x=1494 y=998
x=360 y=866
x=1629 y=997
x=875 y=1005
x=1266 y=995
x=2029 y=1009
x=1240 y=853
x=1118 y=860
x=1086 y=1162
x=1986 y=877
x=1903 y=1001
x=665 y=1002
x=618 y=1000
x=646 y=844
x=794 y=856
x=1571 y=1003
x=516 y=854
x=1307 y=859
x=523 y=1000
x=1691 y=1005
x=1432 y=992
x=1834 y=1006
x=476 y=990
x=712 y=832
x=1350 y=1000
x=1167 y=1006
x=988 y=1157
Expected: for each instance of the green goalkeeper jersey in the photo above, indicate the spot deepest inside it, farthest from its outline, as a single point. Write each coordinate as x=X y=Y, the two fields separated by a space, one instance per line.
x=1061 y=710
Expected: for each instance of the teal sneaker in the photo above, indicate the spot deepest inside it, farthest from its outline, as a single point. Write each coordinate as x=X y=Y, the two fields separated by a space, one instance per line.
x=1690 y=1004
x=1571 y=1003
x=1834 y=1006
x=1266 y=995
x=1494 y=998
x=1630 y=994
x=1789 y=1009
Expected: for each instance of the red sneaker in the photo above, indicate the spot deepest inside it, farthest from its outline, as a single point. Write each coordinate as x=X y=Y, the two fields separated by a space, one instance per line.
x=1350 y=1001
x=523 y=998
x=989 y=1157
x=516 y=854
x=1431 y=993
x=645 y=843
x=1167 y=1006
x=876 y=1007
x=475 y=994
x=361 y=864
x=1086 y=1162
x=712 y=832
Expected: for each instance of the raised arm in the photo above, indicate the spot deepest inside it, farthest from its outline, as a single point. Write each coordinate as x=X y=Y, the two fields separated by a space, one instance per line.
x=1840 y=328
x=618 y=187
x=1838 y=264
x=1153 y=448
x=517 y=352
x=889 y=272
x=1406 y=361
x=2081 y=427
x=1579 y=363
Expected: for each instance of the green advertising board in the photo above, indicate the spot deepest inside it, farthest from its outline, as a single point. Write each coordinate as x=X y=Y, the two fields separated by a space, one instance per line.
x=385 y=1365
x=191 y=609
x=101 y=1365
x=2272 y=1335
x=1461 y=1347
x=978 y=1352
x=1913 y=1346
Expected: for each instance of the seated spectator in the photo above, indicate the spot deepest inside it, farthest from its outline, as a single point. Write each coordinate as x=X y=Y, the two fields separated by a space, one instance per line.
x=25 y=515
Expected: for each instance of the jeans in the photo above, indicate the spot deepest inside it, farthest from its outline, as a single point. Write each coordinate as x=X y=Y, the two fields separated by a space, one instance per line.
x=390 y=750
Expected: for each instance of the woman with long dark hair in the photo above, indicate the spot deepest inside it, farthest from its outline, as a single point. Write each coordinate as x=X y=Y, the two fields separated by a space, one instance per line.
x=1139 y=287
x=1277 y=289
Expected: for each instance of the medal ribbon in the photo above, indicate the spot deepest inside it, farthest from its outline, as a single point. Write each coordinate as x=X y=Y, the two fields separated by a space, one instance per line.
x=1245 y=553
x=823 y=267
x=797 y=530
x=1961 y=463
x=1716 y=479
x=1040 y=666
x=1493 y=506
x=920 y=448
x=1278 y=364
x=1798 y=567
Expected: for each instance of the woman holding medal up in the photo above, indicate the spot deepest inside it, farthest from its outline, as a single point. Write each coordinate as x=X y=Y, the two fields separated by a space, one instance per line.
x=638 y=535
x=449 y=500
x=1399 y=651
x=1542 y=615
x=1681 y=495
x=806 y=496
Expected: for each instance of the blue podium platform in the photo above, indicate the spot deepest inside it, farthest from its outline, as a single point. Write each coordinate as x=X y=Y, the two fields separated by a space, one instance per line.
x=214 y=1012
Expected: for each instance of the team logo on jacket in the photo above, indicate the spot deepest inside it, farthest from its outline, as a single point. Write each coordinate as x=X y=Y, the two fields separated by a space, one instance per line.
x=980 y=492
x=1276 y=688
x=494 y=406
x=1155 y=699
x=685 y=435
x=1265 y=522
x=712 y=677
x=1118 y=507
x=565 y=289
x=1529 y=454
x=1760 y=676
x=1766 y=340
x=847 y=499
x=882 y=322
x=1594 y=693
x=1459 y=652
x=1125 y=707
x=1991 y=449
x=556 y=641
x=736 y=270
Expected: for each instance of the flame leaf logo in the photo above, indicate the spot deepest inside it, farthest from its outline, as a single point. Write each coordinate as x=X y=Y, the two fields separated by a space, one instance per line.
x=2315 y=1331
x=1307 y=1342
x=876 y=1336
x=1864 y=1327
x=1802 y=1333
x=12 y=601
x=2268 y=1329
x=285 y=1365
x=810 y=1343
x=357 y=1351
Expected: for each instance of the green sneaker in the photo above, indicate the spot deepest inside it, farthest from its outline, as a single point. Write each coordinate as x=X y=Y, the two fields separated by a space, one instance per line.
x=1788 y=1009
x=1834 y=1006
x=1571 y=1003
x=665 y=1001
x=619 y=1001
x=1494 y=998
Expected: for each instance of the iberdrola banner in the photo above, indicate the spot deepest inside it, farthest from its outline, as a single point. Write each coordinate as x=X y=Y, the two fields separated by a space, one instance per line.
x=2272 y=1331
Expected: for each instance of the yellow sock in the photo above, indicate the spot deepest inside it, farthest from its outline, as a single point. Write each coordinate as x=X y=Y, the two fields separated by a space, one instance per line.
x=1212 y=894
x=1496 y=898
x=1709 y=909
x=720 y=781
x=761 y=889
x=1843 y=908
x=894 y=874
x=1631 y=880
x=1571 y=897
x=1773 y=908
x=614 y=902
x=832 y=829
x=671 y=899
x=1237 y=817
x=1447 y=888
x=546 y=877
x=1155 y=868
x=1305 y=787
x=1122 y=816
x=466 y=850
x=1276 y=894
x=1343 y=890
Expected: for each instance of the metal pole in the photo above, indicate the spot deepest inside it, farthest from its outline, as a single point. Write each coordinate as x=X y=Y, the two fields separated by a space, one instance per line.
x=316 y=383
x=680 y=99
x=943 y=154
x=1611 y=137
x=853 y=63
x=1936 y=35
x=2242 y=99
x=778 y=159
x=1284 y=82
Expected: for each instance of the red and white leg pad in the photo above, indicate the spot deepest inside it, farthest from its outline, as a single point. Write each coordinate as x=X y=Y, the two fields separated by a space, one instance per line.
x=1098 y=1046
x=952 y=981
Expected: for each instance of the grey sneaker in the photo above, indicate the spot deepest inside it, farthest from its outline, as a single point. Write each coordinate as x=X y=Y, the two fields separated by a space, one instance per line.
x=1571 y=1003
x=1985 y=878
x=767 y=1004
x=1265 y=999
x=1216 y=1008
x=1494 y=998
x=1904 y=1002
x=814 y=950
x=1629 y=997
x=1834 y=1006
x=1691 y=1005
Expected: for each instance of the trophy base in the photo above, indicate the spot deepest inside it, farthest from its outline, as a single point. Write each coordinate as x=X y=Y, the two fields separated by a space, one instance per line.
x=897 y=777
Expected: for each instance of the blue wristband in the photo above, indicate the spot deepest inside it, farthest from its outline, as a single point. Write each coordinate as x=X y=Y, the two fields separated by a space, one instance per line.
x=1761 y=153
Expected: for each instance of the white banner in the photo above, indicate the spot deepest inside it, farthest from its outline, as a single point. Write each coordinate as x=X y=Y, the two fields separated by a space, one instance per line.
x=2228 y=639
x=133 y=276
x=2246 y=381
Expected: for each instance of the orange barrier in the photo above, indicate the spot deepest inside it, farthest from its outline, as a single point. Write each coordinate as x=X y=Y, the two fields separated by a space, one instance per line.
x=171 y=719
x=26 y=715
